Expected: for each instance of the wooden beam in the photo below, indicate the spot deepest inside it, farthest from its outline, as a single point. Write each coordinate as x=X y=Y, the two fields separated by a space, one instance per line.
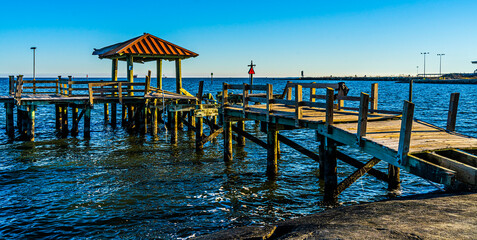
x=405 y=133
x=452 y=114
x=298 y=147
x=464 y=173
x=250 y=137
x=357 y=164
x=213 y=135
x=356 y=175
x=461 y=156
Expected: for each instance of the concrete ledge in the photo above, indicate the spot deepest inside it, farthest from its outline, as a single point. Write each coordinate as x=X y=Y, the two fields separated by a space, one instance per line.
x=430 y=216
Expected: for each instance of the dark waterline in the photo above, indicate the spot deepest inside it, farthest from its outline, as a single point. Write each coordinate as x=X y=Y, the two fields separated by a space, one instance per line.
x=123 y=186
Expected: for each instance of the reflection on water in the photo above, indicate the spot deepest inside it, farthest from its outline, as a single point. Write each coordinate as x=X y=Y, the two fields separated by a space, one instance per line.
x=118 y=185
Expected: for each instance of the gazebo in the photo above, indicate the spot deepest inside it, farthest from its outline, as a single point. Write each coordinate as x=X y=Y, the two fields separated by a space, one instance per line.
x=145 y=48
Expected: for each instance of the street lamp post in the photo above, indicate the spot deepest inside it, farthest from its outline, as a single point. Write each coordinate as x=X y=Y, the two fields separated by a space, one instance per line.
x=440 y=63
x=33 y=48
x=34 y=85
x=425 y=53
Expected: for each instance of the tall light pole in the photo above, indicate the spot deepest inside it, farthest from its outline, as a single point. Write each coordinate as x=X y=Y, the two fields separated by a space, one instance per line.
x=440 y=63
x=425 y=53
x=34 y=48
x=417 y=71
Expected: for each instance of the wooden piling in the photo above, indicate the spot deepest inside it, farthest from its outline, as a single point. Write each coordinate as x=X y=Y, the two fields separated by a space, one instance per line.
x=58 y=117
x=74 y=120
x=19 y=120
x=362 y=117
x=298 y=108
x=154 y=119
x=199 y=131
x=240 y=138
x=64 y=119
x=329 y=108
x=374 y=97
x=405 y=132
x=330 y=172
x=87 y=122
x=227 y=140
x=124 y=115
x=106 y=113
x=9 y=120
x=114 y=113
x=452 y=114
x=321 y=150
x=394 y=182
x=31 y=123
x=173 y=127
x=272 y=150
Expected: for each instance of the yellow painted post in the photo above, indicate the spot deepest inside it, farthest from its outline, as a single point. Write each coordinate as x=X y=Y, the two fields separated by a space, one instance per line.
x=130 y=73
x=159 y=73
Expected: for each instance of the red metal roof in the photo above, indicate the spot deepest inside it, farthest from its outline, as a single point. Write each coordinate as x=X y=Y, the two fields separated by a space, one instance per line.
x=145 y=45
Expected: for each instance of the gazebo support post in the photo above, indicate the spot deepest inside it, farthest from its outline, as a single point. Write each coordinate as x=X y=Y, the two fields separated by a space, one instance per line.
x=159 y=73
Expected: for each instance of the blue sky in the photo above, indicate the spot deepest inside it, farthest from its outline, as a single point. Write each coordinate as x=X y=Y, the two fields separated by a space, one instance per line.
x=319 y=37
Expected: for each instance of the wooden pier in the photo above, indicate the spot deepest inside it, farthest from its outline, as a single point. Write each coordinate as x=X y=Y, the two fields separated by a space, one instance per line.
x=439 y=155
x=397 y=138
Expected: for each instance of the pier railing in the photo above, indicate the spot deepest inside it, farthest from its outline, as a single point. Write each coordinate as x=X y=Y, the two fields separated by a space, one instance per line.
x=20 y=86
x=333 y=101
x=117 y=90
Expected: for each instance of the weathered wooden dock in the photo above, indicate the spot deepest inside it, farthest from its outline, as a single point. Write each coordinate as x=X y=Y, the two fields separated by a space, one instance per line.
x=439 y=155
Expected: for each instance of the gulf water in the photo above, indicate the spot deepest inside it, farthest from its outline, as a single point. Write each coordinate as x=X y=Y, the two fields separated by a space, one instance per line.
x=118 y=185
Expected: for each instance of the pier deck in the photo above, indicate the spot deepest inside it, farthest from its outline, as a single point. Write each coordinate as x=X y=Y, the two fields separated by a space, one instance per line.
x=439 y=155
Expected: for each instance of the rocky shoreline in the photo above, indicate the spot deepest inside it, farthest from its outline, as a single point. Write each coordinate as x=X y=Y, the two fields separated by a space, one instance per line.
x=427 y=216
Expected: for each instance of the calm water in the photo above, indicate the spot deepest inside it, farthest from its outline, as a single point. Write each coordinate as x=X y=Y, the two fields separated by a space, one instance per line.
x=116 y=185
